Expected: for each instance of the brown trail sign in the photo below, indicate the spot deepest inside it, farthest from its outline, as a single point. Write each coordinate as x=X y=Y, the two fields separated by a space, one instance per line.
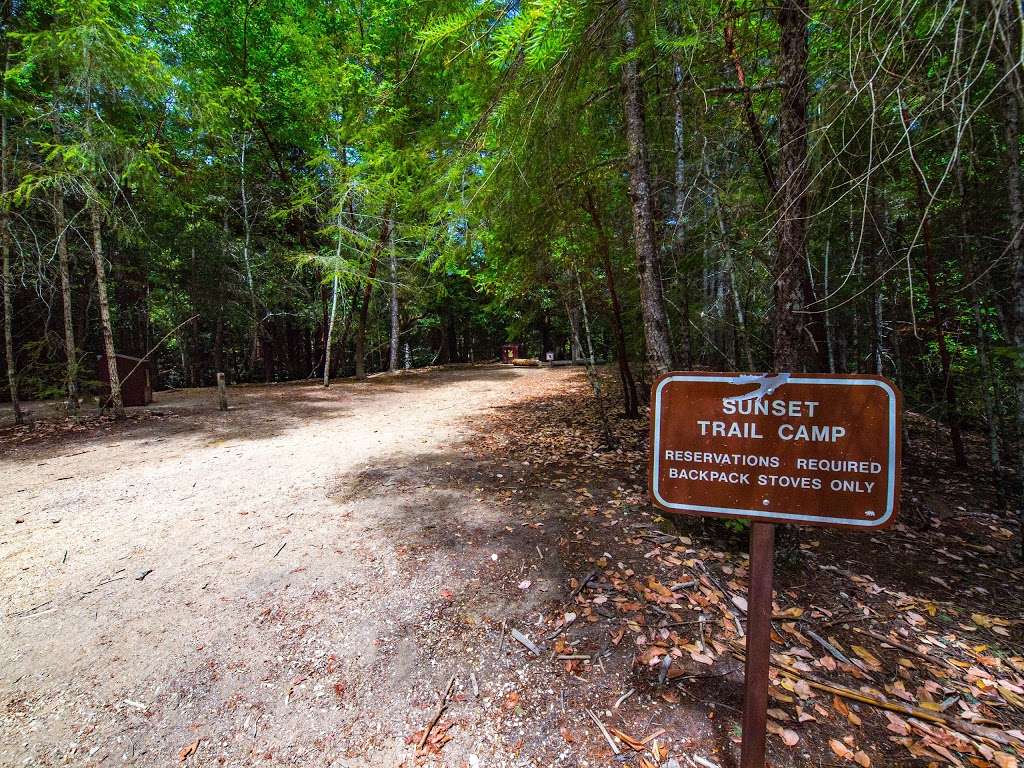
x=810 y=449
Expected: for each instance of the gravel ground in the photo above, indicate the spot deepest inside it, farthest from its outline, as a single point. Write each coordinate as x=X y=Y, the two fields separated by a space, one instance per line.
x=288 y=583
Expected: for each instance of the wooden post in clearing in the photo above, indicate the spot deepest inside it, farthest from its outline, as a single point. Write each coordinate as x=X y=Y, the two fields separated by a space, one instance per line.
x=222 y=392
x=759 y=634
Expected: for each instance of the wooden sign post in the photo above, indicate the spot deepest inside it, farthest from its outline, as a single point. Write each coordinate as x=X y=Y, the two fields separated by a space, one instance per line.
x=810 y=449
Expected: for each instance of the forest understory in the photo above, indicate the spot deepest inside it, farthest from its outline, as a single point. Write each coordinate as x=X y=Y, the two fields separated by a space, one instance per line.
x=299 y=580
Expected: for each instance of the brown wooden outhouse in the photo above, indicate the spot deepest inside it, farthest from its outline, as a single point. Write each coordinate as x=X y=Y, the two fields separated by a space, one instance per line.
x=136 y=379
x=509 y=352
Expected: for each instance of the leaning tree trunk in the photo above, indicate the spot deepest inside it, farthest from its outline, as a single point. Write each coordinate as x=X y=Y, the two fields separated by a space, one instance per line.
x=329 y=325
x=116 y=402
x=393 y=274
x=756 y=133
x=5 y=247
x=660 y=356
x=327 y=333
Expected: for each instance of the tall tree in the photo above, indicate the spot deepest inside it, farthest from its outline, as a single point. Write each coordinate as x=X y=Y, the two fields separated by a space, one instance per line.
x=660 y=355
x=788 y=324
x=5 y=231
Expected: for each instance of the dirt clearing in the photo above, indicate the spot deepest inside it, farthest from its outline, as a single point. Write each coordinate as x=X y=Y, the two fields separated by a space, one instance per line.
x=295 y=582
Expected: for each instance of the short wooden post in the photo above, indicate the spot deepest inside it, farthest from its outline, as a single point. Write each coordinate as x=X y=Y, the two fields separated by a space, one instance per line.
x=222 y=392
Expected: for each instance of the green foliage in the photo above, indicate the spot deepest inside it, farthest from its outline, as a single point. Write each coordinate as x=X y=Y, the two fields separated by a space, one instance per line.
x=246 y=156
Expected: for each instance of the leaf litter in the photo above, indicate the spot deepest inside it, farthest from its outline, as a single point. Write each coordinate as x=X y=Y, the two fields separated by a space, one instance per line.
x=871 y=662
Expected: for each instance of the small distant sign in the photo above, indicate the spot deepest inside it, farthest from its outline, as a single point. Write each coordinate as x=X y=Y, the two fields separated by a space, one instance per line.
x=549 y=356
x=814 y=449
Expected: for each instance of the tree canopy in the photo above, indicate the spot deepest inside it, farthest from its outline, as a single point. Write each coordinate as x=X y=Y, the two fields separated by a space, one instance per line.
x=282 y=189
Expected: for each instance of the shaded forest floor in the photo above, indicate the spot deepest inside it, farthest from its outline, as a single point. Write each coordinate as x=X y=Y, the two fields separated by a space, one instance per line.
x=294 y=582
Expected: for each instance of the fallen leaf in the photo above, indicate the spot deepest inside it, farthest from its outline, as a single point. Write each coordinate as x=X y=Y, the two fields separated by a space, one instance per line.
x=188 y=750
x=840 y=749
x=869 y=658
x=862 y=759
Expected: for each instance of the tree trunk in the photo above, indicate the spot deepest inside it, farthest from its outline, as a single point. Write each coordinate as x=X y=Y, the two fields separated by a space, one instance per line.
x=257 y=327
x=116 y=403
x=728 y=272
x=218 y=342
x=679 y=202
x=788 y=324
x=592 y=378
x=829 y=334
x=329 y=329
x=660 y=356
x=393 y=274
x=329 y=326
x=629 y=394
x=789 y=347
x=791 y=191
x=12 y=373
x=64 y=268
x=5 y=243
x=1010 y=18
x=364 y=307
x=756 y=133
x=874 y=262
x=939 y=319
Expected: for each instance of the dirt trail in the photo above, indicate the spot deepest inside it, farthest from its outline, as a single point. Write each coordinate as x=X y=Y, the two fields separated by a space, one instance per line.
x=293 y=582
x=272 y=582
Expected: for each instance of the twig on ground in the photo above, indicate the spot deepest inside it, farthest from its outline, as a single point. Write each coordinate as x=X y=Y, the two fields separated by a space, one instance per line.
x=998 y=736
x=28 y=610
x=604 y=732
x=833 y=651
x=582 y=585
x=902 y=646
x=727 y=594
x=441 y=704
x=525 y=641
x=623 y=697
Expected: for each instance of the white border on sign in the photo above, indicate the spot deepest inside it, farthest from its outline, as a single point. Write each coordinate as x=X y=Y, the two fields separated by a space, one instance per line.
x=756 y=513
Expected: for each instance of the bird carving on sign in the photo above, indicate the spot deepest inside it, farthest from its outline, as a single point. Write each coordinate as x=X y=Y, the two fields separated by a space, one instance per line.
x=767 y=384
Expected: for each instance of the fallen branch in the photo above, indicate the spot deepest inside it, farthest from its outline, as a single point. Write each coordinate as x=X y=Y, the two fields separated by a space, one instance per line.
x=953 y=723
x=437 y=712
x=902 y=646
